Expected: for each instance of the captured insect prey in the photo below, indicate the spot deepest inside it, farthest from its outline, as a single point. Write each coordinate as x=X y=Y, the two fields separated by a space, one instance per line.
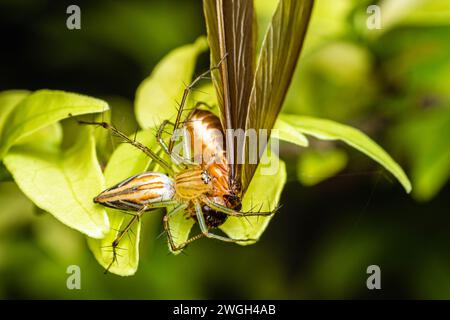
x=209 y=179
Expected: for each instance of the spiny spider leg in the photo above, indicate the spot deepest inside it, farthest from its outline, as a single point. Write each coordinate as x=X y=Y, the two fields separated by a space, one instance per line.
x=115 y=243
x=205 y=230
x=203 y=226
x=136 y=217
x=218 y=207
x=186 y=93
x=174 y=156
x=167 y=148
x=182 y=245
x=166 y=219
x=134 y=143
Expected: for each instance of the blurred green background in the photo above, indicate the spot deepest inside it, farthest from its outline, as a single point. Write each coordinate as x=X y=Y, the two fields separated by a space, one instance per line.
x=340 y=213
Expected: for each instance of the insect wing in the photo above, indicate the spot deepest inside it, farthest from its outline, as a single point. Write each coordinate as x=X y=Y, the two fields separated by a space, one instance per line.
x=232 y=39
x=276 y=65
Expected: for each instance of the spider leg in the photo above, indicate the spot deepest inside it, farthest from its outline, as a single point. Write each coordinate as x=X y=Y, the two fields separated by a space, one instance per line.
x=186 y=93
x=170 y=237
x=134 y=143
x=174 y=156
x=231 y=212
x=136 y=217
x=205 y=230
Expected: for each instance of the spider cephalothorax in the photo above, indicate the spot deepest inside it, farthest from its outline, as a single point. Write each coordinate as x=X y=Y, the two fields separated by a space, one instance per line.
x=192 y=183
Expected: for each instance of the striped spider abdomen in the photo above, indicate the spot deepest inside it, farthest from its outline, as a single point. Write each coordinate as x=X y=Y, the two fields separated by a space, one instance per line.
x=137 y=191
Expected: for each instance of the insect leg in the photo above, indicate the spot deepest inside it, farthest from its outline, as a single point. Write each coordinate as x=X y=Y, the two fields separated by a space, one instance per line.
x=134 y=143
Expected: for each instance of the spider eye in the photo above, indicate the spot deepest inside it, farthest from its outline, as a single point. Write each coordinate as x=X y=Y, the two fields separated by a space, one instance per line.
x=205 y=177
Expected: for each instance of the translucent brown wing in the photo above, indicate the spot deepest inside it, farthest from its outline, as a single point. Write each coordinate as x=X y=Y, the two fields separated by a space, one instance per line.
x=276 y=64
x=232 y=40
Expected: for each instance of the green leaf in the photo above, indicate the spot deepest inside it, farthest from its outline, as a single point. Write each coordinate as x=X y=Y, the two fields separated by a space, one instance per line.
x=157 y=95
x=430 y=162
x=329 y=130
x=414 y=13
x=48 y=138
x=8 y=101
x=316 y=166
x=62 y=183
x=43 y=108
x=286 y=132
x=4 y=173
x=17 y=209
x=263 y=194
x=125 y=161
